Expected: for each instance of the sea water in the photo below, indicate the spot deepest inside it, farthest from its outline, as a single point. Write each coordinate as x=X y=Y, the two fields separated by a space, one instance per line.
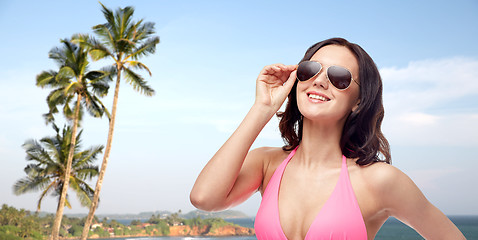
x=392 y=229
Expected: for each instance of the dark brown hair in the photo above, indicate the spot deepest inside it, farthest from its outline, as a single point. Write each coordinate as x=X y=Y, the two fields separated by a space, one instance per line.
x=362 y=137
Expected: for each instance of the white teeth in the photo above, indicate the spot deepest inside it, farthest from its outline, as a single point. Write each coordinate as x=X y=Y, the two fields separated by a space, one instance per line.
x=318 y=97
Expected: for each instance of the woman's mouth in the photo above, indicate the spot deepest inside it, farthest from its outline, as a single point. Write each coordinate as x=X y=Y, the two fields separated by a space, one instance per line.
x=315 y=96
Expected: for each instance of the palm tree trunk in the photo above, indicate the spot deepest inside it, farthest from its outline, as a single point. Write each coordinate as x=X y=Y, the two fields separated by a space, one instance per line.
x=99 y=182
x=61 y=204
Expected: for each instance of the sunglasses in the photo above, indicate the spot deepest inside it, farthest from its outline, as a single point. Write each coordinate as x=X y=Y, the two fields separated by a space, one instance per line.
x=339 y=76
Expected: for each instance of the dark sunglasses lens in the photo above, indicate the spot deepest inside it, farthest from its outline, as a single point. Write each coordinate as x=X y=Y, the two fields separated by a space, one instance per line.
x=339 y=77
x=307 y=70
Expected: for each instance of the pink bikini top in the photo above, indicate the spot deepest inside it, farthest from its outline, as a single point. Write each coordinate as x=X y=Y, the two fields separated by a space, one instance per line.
x=339 y=218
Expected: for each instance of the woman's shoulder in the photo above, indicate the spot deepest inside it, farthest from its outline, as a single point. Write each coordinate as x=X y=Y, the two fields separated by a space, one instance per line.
x=268 y=152
x=270 y=156
x=380 y=170
x=383 y=177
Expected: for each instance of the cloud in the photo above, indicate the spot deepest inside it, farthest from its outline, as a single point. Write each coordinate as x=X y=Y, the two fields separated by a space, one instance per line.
x=430 y=178
x=429 y=102
x=419 y=119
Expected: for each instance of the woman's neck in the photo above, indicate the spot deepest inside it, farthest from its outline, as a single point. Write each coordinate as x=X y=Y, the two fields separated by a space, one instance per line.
x=320 y=144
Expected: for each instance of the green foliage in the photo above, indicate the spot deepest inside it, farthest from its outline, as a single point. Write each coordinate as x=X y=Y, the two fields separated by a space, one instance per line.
x=132 y=230
x=163 y=228
x=149 y=229
x=173 y=219
x=113 y=224
x=46 y=170
x=135 y=222
x=18 y=224
x=211 y=223
x=75 y=230
x=73 y=79
x=124 y=40
x=8 y=236
x=118 y=231
x=101 y=232
x=10 y=232
x=216 y=223
x=197 y=221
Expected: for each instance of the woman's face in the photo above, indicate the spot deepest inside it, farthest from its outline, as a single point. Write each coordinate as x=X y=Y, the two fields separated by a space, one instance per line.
x=318 y=99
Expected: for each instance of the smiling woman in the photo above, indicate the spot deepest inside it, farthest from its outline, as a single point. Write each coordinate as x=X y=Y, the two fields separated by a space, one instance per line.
x=332 y=179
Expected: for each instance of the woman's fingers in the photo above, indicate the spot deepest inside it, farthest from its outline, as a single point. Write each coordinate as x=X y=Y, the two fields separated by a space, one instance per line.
x=289 y=83
x=274 y=84
x=274 y=72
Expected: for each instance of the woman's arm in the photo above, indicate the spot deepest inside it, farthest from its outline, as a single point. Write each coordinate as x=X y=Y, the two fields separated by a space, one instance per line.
x=233 y=174
x=404 y=201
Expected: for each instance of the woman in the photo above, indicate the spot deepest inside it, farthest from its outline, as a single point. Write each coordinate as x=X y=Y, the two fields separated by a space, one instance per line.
x=332 y=183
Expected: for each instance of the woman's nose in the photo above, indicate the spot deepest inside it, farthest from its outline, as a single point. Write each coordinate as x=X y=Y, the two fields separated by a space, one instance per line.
x=320 y=80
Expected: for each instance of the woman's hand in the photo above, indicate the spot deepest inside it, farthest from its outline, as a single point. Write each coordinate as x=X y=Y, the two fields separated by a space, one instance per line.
x=233 y=174
x=274 y=84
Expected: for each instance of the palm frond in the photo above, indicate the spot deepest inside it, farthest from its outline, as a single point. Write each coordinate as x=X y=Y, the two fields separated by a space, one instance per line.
x=148 y=47
x=58 y=55
x=45 y=192
x=46 y=173
x=108 y=14
x=65 y=74
x=138 y=65
x=85 y=199
x=35 y=152
x=53 y=152
x=125 y=45
x=99 y=82
x=105 y=34
x=82 y=40
x=94 y=47
x=57 y=97
x=73 y=88
x=109 y=73
x=88 y=156
x=34 y=169
x=30 y=184
x=138 y=83
x=132 y=31
x=123 y=20
x=100 y=53
x=44 y=79
x=83 y=191
x=68 y=112
x=100 y=88
x=69 y=51
x=92 y=106
x=87 y=172
x=92 y=75
x=67 y=202
x=144 y=31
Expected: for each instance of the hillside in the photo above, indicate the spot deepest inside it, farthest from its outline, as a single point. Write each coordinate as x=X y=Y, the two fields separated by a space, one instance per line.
x=146 y=215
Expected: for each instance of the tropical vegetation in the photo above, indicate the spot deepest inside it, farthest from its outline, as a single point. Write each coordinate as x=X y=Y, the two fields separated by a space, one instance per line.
x=20 y=224
x=47 y=168
x=72 y=81
x=75 y=88
x=124 y=41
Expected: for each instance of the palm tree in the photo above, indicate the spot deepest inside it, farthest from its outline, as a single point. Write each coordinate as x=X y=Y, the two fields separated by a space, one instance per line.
x=72 y=81
x=47 y=169
x=124 y=41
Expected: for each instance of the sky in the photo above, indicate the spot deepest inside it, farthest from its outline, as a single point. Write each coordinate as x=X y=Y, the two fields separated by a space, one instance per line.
x=204 y=73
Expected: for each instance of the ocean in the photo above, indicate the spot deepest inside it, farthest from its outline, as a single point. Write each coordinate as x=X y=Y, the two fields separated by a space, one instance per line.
x=391 y=230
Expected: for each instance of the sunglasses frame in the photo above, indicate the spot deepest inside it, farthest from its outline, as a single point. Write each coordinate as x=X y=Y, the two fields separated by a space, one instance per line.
x=327 y=74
